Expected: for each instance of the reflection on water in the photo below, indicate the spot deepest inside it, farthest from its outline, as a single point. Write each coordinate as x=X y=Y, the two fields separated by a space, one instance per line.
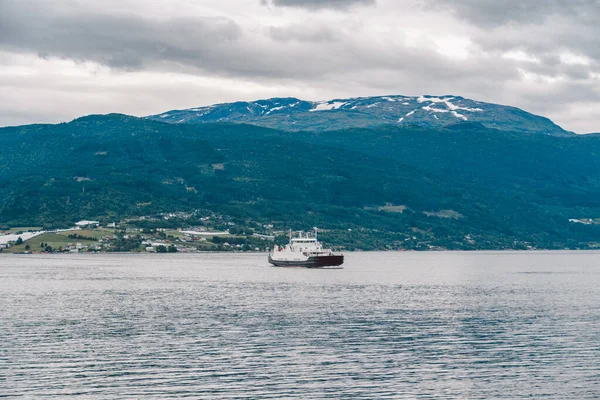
x=388 y=325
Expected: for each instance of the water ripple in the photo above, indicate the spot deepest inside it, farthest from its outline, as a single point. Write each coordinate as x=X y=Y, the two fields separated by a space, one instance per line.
x=213 y=326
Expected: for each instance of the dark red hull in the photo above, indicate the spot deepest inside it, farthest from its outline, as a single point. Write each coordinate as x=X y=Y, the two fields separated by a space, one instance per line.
x=312 y=262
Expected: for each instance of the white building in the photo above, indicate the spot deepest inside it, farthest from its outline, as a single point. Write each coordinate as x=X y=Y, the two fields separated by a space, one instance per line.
x=90 y=224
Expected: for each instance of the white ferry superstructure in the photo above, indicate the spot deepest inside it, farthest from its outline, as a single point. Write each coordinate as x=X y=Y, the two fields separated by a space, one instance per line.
x=304 y=251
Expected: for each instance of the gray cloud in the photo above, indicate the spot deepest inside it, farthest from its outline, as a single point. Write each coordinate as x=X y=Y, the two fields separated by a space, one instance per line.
x=319 y=4
x=121 y=41
x=541 y=28
x=217 y=46
x=494 y=13
x=302 y=33
x=561 y=37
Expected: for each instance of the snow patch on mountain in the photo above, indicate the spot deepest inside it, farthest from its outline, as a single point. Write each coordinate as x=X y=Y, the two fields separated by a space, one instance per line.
x=457 y=115
x=423 y=99
x=326 y=106
x=451 y=107
x=274 y=109
x=433 y=109
x=407 y=115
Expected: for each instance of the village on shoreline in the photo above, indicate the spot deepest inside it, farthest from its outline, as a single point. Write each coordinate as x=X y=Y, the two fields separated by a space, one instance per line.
x=93 y=236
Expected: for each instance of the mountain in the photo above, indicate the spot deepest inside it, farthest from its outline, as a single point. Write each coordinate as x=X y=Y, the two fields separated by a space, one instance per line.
x=464 y=186
x=425 y=111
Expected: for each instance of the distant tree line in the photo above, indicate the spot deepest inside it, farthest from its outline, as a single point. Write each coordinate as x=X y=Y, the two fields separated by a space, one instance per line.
x=81 y=237
x=164 y=249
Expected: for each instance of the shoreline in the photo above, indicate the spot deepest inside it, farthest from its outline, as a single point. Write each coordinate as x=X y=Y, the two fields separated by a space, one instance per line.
x=490 y=251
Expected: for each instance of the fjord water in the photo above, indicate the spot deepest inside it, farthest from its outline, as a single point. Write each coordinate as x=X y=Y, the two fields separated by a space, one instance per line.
x=388 y=325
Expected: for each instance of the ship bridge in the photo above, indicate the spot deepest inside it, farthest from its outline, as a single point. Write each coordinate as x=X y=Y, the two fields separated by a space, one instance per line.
x=305 y=243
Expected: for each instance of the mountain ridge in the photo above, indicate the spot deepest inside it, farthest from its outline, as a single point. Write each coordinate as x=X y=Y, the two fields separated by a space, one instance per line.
x=293 y=114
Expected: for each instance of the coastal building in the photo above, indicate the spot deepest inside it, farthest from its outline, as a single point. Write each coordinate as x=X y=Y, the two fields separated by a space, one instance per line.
x=87 y=224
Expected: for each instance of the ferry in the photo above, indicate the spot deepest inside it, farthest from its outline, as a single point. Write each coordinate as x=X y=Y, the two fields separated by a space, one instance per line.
x=304 y=251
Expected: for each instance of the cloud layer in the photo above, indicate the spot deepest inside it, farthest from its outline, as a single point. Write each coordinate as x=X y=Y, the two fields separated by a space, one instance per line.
x=318 y=4
x=58 y=62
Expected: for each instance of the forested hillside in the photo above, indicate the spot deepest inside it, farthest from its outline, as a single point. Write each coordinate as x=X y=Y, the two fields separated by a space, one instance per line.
x=462 y=186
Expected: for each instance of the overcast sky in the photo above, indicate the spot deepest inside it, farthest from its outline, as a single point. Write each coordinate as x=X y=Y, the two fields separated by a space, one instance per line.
x=60 y=59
